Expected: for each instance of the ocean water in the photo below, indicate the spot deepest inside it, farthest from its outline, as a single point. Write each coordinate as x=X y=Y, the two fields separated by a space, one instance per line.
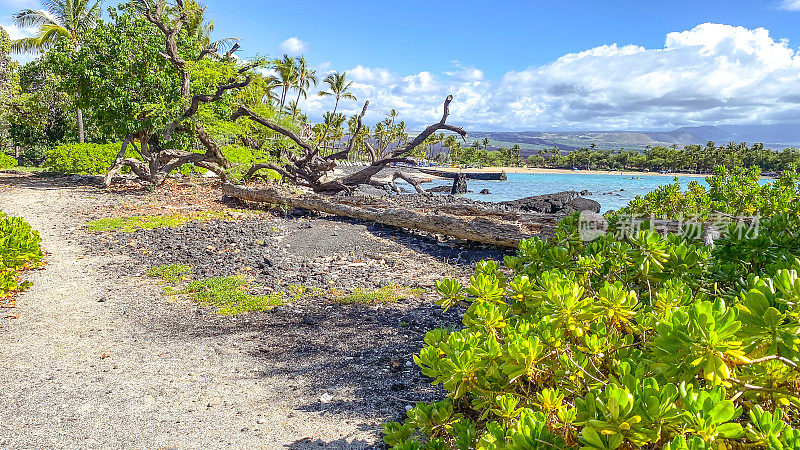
x=612 y=191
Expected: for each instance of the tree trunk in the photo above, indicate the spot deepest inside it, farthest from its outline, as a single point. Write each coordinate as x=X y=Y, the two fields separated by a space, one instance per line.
x=80 y=125
x=297 y=104
x=473 y=222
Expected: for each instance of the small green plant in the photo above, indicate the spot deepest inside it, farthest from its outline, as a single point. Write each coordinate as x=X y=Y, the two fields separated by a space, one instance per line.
x=298 y=291
x=390 y=293
x=230 y=295
x=20 y=249
x=171 y=273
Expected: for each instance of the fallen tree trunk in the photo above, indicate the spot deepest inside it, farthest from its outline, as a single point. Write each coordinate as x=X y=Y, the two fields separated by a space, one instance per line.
x=476 y=222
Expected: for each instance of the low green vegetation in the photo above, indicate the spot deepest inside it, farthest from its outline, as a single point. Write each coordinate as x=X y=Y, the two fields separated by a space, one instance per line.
x=230 y=295
x=243 y=158
x=83 y=158
x=7 y=162
x=171 y=273
x=133 y=223
x=20 y=249
x=390 y=293
x=735 y=192
x=298 y=292
x=90 y=158
x=28 y=169
x=638 y=340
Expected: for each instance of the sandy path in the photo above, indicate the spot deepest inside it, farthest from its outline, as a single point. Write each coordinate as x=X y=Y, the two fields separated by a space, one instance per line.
x=96 y=359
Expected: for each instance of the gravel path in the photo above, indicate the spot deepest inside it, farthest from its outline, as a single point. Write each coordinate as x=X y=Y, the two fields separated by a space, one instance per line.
x=96 y=359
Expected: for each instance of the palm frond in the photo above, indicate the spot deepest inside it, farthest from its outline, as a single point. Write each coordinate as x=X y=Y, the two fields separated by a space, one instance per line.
x=89 y=16
x=49 y=34
x=57 y=8
x=223 y=45
x=31 y=18
x=24 y=45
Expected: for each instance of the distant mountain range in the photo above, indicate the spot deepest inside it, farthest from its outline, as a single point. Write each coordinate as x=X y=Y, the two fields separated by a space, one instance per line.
x=776 y=137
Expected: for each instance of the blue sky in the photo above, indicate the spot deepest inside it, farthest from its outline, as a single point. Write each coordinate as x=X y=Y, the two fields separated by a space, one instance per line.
x=538 y=65
x=496 y=36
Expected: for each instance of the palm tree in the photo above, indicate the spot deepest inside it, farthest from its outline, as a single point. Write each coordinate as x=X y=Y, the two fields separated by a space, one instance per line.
x=333 y=120
x=287 y=76
x=338 y=87
x=392 y=115
x=60 y=19
x=201 y=29
x=292 y=108
x=305 y=78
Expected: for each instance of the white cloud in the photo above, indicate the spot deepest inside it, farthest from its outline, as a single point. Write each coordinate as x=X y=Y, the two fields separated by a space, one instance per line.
x=293 y=46
x=15 y=32
x=711 y=74
x=790 y=5
x=464 y=73
x=377 y=76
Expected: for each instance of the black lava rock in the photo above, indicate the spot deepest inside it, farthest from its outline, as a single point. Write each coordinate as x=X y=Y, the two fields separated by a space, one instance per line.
x=560 y=202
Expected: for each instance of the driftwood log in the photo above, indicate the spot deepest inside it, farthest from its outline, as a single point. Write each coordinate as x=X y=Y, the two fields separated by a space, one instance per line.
x=471 y=221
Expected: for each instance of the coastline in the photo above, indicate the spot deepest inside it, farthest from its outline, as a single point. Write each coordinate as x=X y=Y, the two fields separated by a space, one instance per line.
x=537 y=170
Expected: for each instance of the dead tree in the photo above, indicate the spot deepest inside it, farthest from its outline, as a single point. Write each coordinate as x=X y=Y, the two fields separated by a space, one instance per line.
x=157 y=161
x=477 y=222
x=311 y=170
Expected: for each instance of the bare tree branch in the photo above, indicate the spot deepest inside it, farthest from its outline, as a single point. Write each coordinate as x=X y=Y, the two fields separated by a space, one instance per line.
x=204 y=98
x=310 y=169
x=242 y=111
x=410 y=180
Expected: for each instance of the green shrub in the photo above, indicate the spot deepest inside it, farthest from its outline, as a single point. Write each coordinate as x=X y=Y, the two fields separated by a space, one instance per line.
x=243 y=158
x=97 y=158
x=7 y=162
x=82 y=158
x=19 y=249
x=646 y=341
x=732 y=192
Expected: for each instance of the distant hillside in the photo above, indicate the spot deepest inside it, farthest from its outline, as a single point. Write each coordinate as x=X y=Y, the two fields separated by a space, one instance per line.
x=772 y=136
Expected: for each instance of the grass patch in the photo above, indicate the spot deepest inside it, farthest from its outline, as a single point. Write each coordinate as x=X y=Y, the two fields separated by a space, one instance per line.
x=298 y=291
x=171 y=273
x=25 y=169
x=230 y=295
x=133 y=223
x=387 y=294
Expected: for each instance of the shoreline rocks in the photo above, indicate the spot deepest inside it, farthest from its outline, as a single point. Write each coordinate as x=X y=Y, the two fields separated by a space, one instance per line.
x=559 y=202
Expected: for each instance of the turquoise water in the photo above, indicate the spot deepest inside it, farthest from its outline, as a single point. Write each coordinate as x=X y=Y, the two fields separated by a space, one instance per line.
x=612 y=191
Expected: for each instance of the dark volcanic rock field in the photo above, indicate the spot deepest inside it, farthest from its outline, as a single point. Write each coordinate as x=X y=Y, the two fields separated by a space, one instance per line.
x=349 y=360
